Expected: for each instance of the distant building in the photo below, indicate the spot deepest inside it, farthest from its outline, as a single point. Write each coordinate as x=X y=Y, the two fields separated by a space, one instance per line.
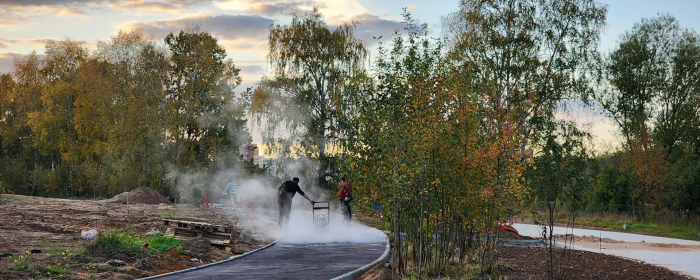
x=249 y=152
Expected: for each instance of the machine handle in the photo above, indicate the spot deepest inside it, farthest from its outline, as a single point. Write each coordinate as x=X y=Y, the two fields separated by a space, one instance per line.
x=326 y=203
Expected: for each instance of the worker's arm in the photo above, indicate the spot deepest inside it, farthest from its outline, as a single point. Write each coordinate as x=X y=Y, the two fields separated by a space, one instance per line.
x=309 y=199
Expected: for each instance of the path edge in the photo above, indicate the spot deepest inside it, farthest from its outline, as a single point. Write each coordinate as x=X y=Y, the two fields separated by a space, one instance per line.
x=210 y=264
x=358 y=272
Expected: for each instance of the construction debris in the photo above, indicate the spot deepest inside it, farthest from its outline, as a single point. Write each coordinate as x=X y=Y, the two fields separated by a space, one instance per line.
x=219 y=236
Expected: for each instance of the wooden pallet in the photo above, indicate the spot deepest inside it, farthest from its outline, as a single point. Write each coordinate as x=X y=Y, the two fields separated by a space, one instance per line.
x=219 y=236
x=172 y=232
x=198 y=226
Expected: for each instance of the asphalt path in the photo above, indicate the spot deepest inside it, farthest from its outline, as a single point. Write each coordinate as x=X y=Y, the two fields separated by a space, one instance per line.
x=292 y=261
x=301 y=252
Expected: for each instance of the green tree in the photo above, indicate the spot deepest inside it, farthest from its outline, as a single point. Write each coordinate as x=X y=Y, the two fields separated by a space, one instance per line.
x=525 y=46
x=315 y=90
x=53 y=127
x=649 y=87
x=20 y=155
x=558 y=179
x=202 y=88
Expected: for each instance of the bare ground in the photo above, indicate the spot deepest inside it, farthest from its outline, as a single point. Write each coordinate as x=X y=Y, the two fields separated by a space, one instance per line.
x=52 y=227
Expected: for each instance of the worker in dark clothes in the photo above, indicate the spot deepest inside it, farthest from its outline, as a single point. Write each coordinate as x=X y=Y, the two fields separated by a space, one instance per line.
x=345 y=196
x=285 y=193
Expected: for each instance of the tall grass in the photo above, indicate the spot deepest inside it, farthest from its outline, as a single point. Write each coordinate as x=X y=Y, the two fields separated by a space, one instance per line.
x=665 y=224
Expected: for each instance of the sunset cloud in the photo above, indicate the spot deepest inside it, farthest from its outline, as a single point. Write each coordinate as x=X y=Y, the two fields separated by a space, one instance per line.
x=26 y=42
x=71 y=12
x=342 y=9
x=222 y=26
x=372 y=26
x=288 y=8
x=7 y=60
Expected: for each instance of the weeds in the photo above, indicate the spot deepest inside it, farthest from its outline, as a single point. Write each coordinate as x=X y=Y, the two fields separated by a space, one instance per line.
x=180 y=250
x=58 y=270
x=166 y=215
x=52 y=270
x=22 y=261
x=91 y=269
x=120 y=241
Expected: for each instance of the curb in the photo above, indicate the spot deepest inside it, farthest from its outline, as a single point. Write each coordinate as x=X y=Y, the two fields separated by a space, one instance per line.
x=358 y=272
x=210 y=264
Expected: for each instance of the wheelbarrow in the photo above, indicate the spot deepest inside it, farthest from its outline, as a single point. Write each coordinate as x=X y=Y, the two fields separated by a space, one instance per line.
x=322 y=215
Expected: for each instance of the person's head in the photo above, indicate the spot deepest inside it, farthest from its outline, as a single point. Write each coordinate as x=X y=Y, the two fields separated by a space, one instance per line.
x=296 y=180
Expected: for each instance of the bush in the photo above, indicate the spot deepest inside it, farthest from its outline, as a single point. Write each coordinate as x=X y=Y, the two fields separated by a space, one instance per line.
x=613 y=190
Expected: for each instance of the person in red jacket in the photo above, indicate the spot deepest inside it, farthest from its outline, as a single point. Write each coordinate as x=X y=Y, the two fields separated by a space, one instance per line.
x=345 y=196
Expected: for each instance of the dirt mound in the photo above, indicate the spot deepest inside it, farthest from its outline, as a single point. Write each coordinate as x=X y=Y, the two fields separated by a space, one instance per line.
x=587 y=238
x=196 y=247
x=141 y=195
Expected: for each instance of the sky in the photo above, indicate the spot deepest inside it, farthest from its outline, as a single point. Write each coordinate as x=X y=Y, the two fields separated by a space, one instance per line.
x=241 y=27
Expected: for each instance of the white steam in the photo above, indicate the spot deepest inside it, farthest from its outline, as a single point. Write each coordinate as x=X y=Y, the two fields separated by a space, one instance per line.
x=302 y=231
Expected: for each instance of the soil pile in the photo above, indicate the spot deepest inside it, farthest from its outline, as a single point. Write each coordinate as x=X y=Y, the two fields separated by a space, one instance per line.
x=196 y=247
x=142 y=195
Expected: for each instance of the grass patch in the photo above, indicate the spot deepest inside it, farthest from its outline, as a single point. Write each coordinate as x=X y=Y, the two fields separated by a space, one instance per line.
x=162 y=243
x=21 y=261
x=125 y=241
x=165 y=215
x=662 y=225
x=51 y=271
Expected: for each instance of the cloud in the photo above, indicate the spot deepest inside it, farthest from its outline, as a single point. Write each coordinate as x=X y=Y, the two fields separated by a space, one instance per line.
x=251 y=70
x=11 y=18
x=7 y=60
x=70 y=7
x=73 y=3
x=71 y=12
x=372 y=26
x=2 y=45
x=329 y=8
x=223 y=26
x=254 y=69
x=412 y=7
x=250 y=47
x=26 y=42
x=34 y=3
x=279 y=9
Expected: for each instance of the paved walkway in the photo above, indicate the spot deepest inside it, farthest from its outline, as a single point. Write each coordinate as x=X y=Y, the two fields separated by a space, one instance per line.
x=304 y=253
x=292 y=261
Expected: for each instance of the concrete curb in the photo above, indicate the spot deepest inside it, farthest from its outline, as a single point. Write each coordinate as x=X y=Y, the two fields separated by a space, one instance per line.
x=211 y=264
x=358 y=272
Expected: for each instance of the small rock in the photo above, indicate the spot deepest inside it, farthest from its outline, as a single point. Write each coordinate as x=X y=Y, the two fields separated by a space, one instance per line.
x=144 y=264
x=245 y=237
x=117 y=263
x=103 y=267
x=196 y=260
x=153 y=231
